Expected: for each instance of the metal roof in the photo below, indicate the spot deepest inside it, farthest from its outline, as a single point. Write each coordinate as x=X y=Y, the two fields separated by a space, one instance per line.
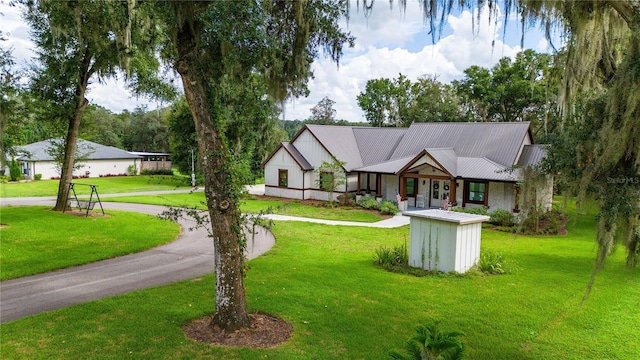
x=387 y=167
x=340 y=142
x=532 y=154
x=39 y=151
x=376 y=145
x=447 y=158
x=499 y=142
x=295 y=154
x=483 y=168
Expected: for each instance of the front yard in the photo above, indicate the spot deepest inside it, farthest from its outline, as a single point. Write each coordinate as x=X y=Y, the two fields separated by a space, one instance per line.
x=322 y=279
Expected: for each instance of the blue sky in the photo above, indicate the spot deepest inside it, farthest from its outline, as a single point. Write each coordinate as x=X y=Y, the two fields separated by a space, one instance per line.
x=388 y=42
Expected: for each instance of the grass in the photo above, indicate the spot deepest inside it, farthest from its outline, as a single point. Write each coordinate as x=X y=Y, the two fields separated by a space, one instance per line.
x=106 y=185
x=322 y=279
x=37 y=240
x=255 y=204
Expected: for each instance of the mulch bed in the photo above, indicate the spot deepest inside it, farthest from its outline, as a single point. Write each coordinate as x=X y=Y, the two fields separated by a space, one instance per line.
x=266 y=331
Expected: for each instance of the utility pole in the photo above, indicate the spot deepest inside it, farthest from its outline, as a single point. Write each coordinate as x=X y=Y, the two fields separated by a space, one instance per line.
x=193 y=172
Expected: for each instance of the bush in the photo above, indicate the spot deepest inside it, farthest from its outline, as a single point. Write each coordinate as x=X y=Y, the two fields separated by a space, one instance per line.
x=37 y=177
x=502 y=217
x=15 y=173
x=369 y=203
x=156 y=172
x=471 y=210
x=542 y=222
x=492 y=263
x=389 y=257
x=347 y=199
x=388 y=208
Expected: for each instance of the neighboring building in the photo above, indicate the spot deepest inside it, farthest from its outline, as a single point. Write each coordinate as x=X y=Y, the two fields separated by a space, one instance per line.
x=471 y=164
x=153 y=161
x=100 y=160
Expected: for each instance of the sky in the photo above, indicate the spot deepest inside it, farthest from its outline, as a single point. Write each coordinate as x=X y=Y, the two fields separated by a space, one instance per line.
x=388 y=42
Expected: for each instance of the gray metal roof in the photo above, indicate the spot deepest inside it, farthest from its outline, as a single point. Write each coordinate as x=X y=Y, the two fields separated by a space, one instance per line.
x=340 y=142
x=499 y=142
x=483 y=168
x=295 y=154
x=447 y=158
x=387 y=167
x=39 y=151
x=376 y=145
x=532 y=154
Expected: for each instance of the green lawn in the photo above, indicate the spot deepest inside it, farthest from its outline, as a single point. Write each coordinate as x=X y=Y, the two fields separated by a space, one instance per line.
x=36 y=240
x=322 y=279
x=106 y=185
x=255 y=204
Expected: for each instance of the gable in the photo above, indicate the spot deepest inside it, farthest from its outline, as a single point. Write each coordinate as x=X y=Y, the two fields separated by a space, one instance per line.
x=337 y=141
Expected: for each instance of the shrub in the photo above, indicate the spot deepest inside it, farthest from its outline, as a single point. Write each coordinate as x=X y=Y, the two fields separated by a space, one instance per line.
x=156 y=172
x=395 y=256
x=388 y=208
x=502 y=217
x=471 y=210
x=429 y=342
x=37 y=177
x=369 y=203
x=15 y=173
x=492 y=262
x=132 y=169
x=542 y=223
x=347 y=199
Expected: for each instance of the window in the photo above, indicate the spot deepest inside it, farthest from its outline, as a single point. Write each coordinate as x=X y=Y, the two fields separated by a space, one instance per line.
x=477 y=192
x=283 y=178
x=411 y=184
x=326 y=181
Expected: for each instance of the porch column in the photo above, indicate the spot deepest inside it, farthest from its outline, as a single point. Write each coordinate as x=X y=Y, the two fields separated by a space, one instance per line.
x=368 y=183
x=452 y=193
x=403 y=188
x=378 y=185
x=358 y=186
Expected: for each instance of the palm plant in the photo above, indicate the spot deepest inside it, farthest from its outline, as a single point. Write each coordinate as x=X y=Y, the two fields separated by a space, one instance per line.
x=431 y=343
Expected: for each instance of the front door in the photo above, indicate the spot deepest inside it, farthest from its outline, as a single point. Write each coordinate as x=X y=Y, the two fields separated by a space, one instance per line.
x=439 y=192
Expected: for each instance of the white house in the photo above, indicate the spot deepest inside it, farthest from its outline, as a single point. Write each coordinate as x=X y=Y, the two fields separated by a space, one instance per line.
x=100 y=160
x=470 y=164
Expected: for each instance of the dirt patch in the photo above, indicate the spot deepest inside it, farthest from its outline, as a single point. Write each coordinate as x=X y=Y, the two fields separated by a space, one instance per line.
x=2 y=226
x=83 y=213
x=266 y=331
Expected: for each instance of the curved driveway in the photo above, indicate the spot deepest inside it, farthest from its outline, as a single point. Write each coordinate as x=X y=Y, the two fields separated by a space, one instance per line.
x=189 y=256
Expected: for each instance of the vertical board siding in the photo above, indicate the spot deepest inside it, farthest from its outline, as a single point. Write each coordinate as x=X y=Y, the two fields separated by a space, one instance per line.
x=283 y=160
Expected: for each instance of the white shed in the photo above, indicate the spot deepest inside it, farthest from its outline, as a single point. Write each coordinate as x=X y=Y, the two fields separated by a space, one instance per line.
x=444 y=240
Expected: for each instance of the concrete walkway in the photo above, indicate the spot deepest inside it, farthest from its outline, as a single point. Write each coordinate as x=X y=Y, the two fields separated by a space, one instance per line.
x=189 y=256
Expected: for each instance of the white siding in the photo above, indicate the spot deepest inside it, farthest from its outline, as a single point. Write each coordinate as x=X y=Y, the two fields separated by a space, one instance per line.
x=95 y=168
x=282 y=160
x=443 y=246
x=98 y=168
x=311 y=149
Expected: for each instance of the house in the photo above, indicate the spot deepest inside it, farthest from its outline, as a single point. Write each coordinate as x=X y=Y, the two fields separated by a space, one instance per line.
x=469 y=164
x=153 y=161
x=97 y=160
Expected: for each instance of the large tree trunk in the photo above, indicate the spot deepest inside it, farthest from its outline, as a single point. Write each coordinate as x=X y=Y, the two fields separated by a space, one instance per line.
x=231 y=309
x=66 y=174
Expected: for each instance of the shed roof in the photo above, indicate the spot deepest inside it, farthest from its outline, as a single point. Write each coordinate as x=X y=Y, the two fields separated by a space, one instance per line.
x=39 y=151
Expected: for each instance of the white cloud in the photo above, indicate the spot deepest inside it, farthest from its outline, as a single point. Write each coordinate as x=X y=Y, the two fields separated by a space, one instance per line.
x=468 y=45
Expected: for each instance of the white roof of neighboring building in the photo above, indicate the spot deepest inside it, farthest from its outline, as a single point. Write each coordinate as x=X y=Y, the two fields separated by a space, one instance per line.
x=39 y=151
